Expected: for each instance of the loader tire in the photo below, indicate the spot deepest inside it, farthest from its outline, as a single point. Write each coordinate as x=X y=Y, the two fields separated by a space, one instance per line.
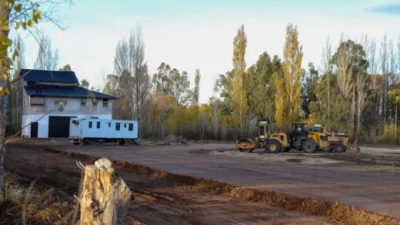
x=273 y=146
x=309 y=146
x=340 y=148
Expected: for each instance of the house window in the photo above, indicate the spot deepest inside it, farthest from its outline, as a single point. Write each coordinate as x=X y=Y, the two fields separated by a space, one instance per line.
x=37 y=101
x=117 y=126
x=98 y=125
x=90 y=124
x=131 y=127
x=124 y=125
x=109 y=124
x=94 y=103
x=83 y=102
x=105 y=103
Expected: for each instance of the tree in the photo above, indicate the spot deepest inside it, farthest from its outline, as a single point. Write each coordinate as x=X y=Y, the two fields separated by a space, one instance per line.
x=46 y=59
x=84 y=83
x=66 y=68
x=196 y=91
x=173 y=83
x=309 y=82
x=351 y=63
x=15 y=14
x=260 y=86
x=384 y=58
x=15 y=104
x=327 y=69
x=292 y=72
x=239 y=70
x=280 y=99
x=134 y=82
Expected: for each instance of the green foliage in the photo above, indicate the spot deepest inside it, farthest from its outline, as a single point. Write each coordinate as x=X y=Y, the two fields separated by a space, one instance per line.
x=173 y=83
x=84 y=83
x=239 y=80
x=260 y=86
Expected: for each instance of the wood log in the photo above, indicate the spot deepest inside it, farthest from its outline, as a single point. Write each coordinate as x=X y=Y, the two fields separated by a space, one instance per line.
x=105 y=197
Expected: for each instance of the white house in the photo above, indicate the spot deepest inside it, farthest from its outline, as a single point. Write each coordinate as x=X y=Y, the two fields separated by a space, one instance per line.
x=52 y=98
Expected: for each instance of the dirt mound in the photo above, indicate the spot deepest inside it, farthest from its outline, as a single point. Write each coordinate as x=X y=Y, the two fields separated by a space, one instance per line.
x=332 y=210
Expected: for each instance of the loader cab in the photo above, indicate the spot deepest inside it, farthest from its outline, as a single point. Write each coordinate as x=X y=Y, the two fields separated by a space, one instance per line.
x=318 y=128
x=299 y=131
x=263 y=130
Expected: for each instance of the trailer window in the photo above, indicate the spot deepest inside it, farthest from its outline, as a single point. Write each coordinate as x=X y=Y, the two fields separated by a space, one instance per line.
x=98 y=125
x=117 y=126
x=131 y=127
x=90 y=124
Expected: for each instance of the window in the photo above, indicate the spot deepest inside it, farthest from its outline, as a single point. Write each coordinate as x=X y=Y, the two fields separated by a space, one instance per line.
x=83 y=103
x=124 y=125
x=90 y=124
x=94 y=103
x=105 y=103
x=117 y=126
x=37 y=101
x=109 y=124
x=98 y=125
x=131 y=127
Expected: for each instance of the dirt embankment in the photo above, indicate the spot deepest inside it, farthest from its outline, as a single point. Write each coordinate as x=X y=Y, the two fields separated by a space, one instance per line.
x=333 y=211
x=166 y=198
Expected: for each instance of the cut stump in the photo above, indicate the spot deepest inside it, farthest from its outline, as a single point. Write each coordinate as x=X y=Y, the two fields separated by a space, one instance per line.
x=105 y=197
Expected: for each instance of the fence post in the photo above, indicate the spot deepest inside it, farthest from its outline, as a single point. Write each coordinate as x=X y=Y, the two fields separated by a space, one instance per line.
x=105 y=198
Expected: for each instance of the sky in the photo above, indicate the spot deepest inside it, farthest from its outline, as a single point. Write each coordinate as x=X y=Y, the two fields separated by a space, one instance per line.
x=198 y=34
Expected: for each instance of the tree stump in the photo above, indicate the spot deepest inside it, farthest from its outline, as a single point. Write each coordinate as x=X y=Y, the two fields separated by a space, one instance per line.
x=105 y=198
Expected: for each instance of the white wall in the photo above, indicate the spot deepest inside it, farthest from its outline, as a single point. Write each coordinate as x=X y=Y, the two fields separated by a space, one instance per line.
x=43 y=124
x=73 y=107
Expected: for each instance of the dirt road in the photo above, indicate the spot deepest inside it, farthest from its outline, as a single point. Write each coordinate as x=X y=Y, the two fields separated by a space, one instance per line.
x=157 y=201
x=368 y=181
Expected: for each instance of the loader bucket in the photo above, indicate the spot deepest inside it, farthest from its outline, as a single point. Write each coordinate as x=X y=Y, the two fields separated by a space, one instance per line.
x=246 y=145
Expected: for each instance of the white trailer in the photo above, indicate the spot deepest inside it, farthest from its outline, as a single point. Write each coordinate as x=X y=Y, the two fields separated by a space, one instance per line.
x=89 y=130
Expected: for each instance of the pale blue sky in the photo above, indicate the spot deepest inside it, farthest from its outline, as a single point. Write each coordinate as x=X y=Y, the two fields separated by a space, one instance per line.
x=198 y=34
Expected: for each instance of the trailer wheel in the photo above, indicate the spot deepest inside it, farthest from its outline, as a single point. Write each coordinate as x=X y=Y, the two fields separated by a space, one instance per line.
x=85 y=141
x=273 y=146
x=122 y=142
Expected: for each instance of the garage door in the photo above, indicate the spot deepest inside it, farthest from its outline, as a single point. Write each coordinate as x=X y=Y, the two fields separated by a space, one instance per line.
x=59 y=126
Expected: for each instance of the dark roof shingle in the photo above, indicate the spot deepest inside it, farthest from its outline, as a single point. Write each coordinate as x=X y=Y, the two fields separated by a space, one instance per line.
x=72 y=91
x=49 y=76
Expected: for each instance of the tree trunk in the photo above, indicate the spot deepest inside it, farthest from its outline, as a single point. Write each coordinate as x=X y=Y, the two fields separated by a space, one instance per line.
x=105 y=197
x=3 y=115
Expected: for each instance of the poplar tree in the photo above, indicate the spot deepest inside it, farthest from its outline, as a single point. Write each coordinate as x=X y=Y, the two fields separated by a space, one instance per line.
x=292 y=72
x=239 y=69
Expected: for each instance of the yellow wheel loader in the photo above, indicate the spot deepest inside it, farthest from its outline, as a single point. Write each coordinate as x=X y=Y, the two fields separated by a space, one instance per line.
x=300 y=138
x=338 y=142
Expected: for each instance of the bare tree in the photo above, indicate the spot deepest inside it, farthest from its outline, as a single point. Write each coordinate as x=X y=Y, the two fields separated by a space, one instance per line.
x=47 y=59
x=327 y=69
x=373 y=67
x=344 y=72
x=134 y=82
x=361 y=95
x=384 y=58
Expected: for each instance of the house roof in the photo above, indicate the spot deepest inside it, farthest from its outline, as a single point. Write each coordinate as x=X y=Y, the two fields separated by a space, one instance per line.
x=68 y=91
x=49 y=76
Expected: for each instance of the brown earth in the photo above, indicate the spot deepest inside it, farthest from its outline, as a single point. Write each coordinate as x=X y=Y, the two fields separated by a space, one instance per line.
x=166 y=198
x=160 y=197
